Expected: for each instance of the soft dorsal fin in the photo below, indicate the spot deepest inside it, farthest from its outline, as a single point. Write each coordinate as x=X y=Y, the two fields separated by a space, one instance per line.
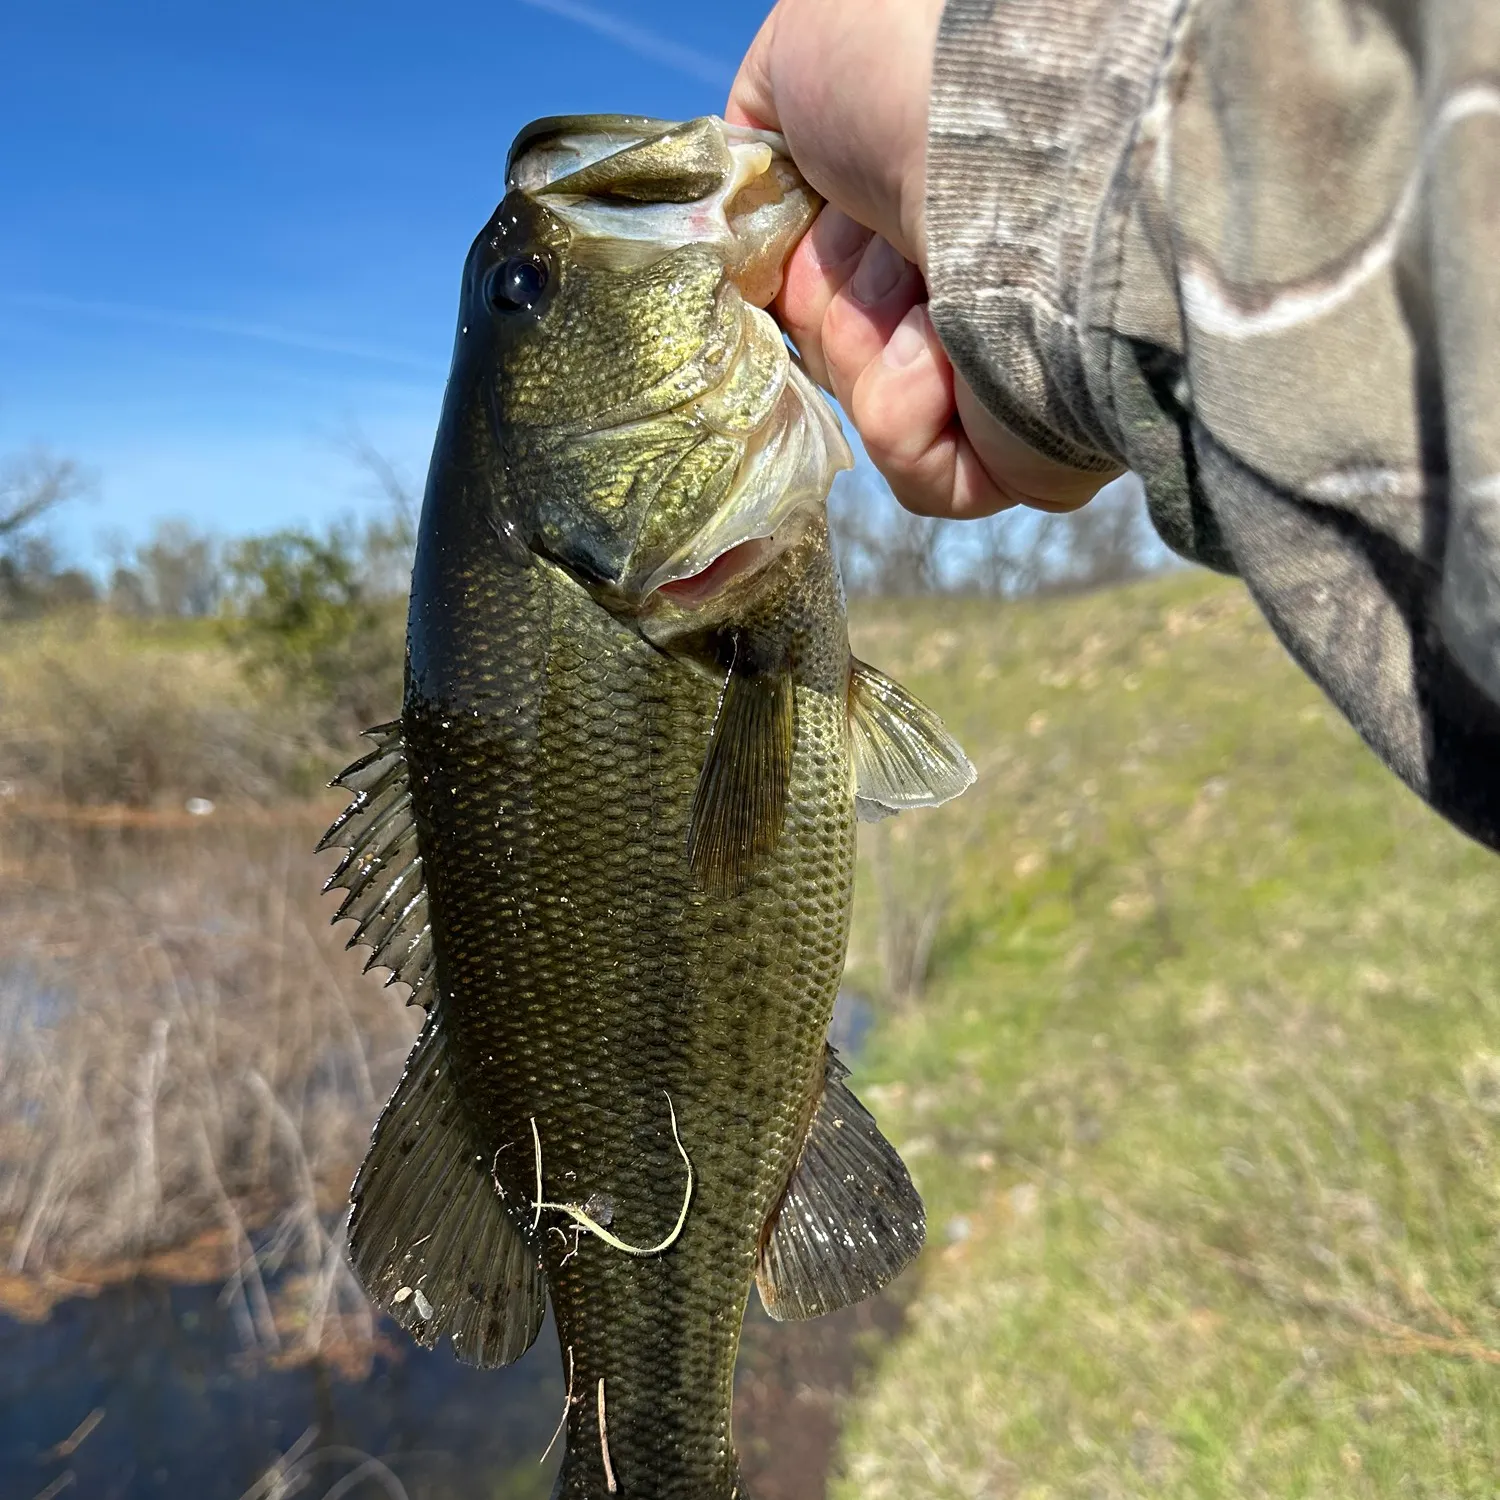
x=850 y=1219
x=903 y=756
x=382 y=870
x=740 y=802
x=428 y=1234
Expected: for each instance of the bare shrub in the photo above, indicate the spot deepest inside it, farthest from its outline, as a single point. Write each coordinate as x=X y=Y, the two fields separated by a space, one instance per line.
x=887 y=552
x=185 y=1053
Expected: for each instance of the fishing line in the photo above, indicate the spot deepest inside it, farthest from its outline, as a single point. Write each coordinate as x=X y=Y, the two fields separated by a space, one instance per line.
x=584 y=1221
x=562 y=1421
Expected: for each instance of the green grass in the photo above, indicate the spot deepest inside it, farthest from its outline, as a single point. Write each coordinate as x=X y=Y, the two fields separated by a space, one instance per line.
x=1202 y=1086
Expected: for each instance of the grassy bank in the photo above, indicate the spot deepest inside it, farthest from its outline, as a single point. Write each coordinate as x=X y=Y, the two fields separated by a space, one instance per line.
x=1190 y=1034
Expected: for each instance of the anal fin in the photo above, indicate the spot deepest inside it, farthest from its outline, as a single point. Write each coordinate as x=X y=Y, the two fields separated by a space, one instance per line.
x=850 y=1219
x=428 y=1234
x=740 y=801
x=903 y=756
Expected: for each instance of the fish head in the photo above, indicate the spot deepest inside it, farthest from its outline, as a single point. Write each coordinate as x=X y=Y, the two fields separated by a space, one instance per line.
x=654 y=434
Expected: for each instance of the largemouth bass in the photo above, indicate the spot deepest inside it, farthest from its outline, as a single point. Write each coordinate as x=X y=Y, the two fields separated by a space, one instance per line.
x=610 y=841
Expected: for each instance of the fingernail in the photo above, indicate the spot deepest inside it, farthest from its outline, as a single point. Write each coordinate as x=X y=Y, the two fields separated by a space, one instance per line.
x=909 y=342
x=835 y=237
x=879 y=269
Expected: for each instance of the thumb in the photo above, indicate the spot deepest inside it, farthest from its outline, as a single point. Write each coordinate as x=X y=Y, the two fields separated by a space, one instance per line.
x=751 y=98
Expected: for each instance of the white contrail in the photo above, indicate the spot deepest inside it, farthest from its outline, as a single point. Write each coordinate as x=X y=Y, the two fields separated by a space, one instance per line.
x=265 y=333
x=637 y=39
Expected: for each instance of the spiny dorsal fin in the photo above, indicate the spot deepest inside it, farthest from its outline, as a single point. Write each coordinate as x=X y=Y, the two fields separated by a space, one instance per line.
x=428 y=1234
x=382 y=870
x=850 y=1219
x=741 y=798
x=903 y=756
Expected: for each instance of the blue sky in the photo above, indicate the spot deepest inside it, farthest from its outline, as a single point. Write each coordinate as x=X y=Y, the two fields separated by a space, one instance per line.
x=233 y=234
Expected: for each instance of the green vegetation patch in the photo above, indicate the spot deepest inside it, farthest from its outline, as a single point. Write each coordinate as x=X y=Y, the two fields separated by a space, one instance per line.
x=1190 y=1034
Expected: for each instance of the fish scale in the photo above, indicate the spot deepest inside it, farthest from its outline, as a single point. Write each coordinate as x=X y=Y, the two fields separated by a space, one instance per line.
x=617 y=819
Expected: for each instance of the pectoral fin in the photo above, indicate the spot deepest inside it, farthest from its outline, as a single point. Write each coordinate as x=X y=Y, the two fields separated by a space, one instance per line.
x=429 y=1236
x=903 y=756
x=740 y=802
x=850 y=1219
x=382 y=870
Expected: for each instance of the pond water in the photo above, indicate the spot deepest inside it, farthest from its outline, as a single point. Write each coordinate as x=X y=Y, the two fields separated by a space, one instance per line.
x=183 y=1413
x=145 y=1391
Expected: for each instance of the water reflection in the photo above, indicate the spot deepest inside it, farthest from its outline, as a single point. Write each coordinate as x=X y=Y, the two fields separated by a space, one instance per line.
x=184 y=1414
x=196 y=967
x=144 y=1392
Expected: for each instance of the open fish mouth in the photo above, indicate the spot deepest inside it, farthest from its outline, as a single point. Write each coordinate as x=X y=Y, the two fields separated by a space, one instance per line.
x=633 y=189
x=743 y=560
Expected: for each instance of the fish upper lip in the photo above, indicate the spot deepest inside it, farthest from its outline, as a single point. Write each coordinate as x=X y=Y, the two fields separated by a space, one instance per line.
x=754 y=215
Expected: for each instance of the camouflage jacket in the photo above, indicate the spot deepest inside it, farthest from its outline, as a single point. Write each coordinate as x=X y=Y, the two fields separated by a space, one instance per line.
x=1251 y=249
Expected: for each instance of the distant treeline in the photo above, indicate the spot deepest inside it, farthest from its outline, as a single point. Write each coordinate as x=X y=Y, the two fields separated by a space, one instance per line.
x=885 y=551
x=318 y=614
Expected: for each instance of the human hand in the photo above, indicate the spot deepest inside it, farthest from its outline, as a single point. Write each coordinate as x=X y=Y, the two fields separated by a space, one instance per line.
x=847 y=83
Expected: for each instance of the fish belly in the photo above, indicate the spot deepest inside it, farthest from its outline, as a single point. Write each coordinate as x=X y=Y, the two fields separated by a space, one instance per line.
x=593 y=997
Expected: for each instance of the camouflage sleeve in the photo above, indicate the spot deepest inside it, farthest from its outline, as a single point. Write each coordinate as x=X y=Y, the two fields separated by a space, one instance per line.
x=1249 y=247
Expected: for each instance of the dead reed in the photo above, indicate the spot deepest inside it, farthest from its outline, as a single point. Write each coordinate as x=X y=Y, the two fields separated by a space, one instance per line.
x=186 y=1059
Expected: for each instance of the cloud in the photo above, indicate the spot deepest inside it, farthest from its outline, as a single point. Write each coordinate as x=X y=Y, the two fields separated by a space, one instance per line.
x=648 y=44
x=266 y=333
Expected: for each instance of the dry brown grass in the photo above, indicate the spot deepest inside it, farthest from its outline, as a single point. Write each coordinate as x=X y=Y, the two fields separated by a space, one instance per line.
x=186 y=1060
x=95 y=709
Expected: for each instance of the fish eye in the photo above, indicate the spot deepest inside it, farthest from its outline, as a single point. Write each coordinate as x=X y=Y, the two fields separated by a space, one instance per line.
x=516 y=284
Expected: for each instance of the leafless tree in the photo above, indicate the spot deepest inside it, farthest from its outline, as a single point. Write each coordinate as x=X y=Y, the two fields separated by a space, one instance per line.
x=1010 y=554
x=385 y=541
x=32 y=577
x=179 y=570
x=883 y=549
x=1108 y=541
x=34 y=484
x=388 y=478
